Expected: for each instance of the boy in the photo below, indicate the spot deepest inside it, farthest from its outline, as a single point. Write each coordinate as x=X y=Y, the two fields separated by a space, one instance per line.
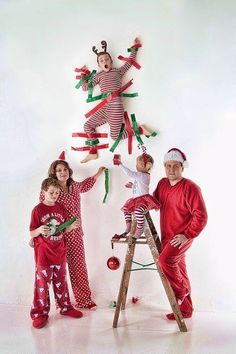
x=50 y=255
x=109 y=80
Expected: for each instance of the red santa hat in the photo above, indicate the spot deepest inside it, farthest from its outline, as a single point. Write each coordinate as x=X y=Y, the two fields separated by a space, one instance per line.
x=62 y=156
x=175 y=154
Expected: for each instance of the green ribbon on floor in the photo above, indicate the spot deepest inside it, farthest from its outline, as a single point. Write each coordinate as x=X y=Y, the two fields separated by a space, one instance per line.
x=106 y=171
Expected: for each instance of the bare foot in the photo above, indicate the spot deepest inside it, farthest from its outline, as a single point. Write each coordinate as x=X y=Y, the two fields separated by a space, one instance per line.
x=145 y=130
x=90 y=157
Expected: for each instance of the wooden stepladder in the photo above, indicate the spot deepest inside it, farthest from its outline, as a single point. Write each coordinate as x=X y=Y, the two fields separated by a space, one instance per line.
x=152 y=239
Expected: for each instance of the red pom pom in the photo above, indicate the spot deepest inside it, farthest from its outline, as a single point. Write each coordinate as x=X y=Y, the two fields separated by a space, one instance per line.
x=113 y=263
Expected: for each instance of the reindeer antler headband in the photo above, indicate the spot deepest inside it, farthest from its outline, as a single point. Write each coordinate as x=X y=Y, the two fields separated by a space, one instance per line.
x=104 y=47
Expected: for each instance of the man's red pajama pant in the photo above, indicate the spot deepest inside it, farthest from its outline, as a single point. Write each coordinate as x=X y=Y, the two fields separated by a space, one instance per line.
x=172 y=262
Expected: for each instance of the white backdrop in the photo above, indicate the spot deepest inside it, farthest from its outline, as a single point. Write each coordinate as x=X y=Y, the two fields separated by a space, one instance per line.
x=186 y=92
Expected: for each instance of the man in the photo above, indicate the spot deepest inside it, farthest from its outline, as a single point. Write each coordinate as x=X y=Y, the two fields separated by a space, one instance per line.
x=183 y=215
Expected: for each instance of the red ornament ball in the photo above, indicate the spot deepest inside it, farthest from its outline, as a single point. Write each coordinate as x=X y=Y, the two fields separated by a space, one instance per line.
x=113 y=263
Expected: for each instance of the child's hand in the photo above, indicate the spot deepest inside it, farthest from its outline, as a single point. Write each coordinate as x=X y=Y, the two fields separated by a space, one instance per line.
x=137 y=42
x=85 y=68
x=117 y=160
x=44 y=230
x=31 y=243
x=129 y=185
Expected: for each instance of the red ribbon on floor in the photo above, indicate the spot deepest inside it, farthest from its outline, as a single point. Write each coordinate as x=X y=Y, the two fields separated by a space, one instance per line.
x=108 y=99
x=131 y=61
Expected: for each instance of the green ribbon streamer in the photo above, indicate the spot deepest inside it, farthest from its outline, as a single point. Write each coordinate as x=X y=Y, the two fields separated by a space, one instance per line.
x=135 y=94
x=106 y=171
x=105 y=95
x=84 y=78
x=114 y=146
x=92 y=142
x=96 y=98
x=132 y=49
x=90 y=84
x=136 y=129
x=64 y=226
x=152 y=135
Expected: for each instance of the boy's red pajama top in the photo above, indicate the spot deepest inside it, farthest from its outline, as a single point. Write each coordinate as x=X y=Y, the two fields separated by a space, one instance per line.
x=49 y=250
x=182 y=211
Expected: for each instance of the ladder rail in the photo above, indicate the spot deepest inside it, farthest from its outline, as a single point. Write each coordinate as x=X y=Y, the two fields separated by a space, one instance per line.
x=154 y=243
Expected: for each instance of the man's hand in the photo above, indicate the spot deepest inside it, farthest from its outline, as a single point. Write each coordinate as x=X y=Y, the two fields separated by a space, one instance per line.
x=179 y=240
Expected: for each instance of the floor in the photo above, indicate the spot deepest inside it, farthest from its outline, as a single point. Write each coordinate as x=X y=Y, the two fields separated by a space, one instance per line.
x=142 y=329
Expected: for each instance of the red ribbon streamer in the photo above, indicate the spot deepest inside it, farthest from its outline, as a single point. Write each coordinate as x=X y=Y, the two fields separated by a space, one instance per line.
x=129 y=131
x=87 y=148
x=89 y=135
x=109 y=98
x=131 y=61
x=84 y=71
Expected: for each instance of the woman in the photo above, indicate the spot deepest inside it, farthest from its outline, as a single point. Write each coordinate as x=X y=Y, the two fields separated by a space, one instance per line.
x=70 y=197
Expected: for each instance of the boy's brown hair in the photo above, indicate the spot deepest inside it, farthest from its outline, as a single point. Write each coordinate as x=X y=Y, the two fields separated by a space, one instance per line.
x=48 y=182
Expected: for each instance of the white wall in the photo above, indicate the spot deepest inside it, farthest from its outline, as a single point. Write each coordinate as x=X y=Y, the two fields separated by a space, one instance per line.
x=186 y=91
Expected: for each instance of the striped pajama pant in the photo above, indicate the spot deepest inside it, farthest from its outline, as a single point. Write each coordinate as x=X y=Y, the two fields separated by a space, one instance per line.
x=139 y=216
x=113 y=114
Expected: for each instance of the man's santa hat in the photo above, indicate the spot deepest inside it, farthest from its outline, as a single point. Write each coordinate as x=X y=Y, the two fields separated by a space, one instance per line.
x=175 y=154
